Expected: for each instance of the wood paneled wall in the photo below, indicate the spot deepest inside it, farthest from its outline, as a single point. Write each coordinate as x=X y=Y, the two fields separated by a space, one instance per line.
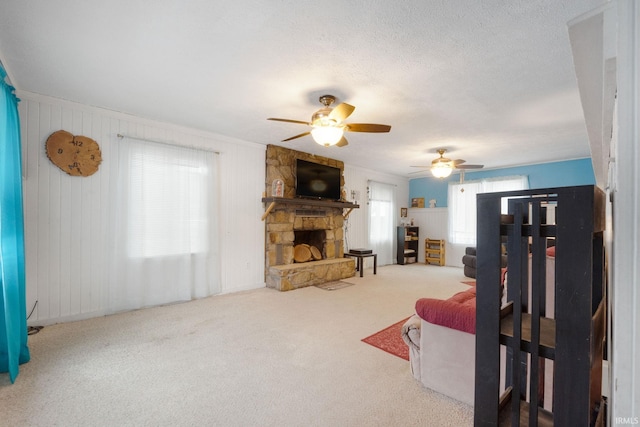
x=434 y=224
x=357 y=226
x=67 y=262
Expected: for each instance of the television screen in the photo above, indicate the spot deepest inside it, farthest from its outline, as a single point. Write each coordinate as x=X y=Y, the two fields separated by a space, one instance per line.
x=317 y=181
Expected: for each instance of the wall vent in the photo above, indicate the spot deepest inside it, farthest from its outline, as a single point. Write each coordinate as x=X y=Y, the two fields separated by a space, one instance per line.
x=312 y=213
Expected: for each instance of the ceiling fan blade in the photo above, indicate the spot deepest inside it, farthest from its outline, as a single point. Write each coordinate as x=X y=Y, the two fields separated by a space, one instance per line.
x=341 y=111
x=297 y=136
x=469 y=166
x=367 y=127
x=420 y=171
x=343 y=142
x=423 y=167
x=290 y=121
x=458 y=162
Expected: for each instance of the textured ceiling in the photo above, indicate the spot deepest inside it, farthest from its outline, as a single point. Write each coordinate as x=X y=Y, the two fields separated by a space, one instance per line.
x=492 y=81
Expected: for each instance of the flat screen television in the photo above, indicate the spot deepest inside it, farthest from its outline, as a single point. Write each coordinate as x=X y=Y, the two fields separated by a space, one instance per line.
x=317 y=181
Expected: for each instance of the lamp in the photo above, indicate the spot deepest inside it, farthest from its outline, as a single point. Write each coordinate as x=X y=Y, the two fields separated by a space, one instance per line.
x=327 y=135
x=441 y=169
x=326 y=130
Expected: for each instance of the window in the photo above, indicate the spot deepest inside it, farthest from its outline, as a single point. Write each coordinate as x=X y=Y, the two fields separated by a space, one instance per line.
x=163 y=220
x=462 y=204
x=167 y=201
x=382 y=220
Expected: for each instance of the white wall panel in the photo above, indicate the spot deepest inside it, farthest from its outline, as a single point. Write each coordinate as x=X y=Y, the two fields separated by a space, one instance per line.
x=66 y=239
x=434 y=224
x=357 y=226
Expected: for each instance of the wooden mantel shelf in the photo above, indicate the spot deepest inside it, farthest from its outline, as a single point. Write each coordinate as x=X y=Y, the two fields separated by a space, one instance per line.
x=309 y=202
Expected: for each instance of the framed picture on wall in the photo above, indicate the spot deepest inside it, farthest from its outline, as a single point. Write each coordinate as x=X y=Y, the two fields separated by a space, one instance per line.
x=403 y=212
x=417 y=202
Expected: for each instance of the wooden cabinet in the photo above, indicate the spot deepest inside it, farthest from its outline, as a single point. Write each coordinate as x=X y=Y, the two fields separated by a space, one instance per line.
x=434 y=251
x=569 y=338
x=407 y=245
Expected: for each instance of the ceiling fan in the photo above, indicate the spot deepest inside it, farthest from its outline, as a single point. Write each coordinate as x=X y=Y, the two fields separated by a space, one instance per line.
x=328 y=125
x=442 y=167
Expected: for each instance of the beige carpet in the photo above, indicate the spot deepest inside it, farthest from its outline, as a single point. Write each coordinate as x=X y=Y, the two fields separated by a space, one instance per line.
x=255 y=358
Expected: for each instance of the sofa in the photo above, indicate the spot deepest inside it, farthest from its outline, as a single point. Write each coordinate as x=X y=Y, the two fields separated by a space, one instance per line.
x=441 y=340
x=442 y=347
x=469 y=262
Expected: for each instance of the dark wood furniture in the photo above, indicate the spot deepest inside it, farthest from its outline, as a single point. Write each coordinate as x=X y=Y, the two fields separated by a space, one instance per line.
x=572 y=338
x=407 y=239
x=360 y=261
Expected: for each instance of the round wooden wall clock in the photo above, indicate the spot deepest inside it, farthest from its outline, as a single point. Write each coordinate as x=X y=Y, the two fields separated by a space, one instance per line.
x=76 y=155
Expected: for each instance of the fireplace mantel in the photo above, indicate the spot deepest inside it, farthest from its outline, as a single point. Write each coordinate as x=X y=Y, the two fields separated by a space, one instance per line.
x=308 y=202
x=311 y=202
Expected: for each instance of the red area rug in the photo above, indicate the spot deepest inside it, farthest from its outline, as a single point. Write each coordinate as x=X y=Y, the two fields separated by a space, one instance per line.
x=390 y=340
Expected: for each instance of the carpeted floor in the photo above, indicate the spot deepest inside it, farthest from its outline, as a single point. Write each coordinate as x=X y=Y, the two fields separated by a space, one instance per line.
x=254 y=358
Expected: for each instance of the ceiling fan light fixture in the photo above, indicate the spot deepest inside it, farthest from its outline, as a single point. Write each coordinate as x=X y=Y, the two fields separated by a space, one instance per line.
x=328 y=126
x=441 y=169
x=321 y=117
x=327 y=135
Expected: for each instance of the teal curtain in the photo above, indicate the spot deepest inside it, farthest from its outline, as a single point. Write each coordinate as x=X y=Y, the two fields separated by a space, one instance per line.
x=13 y=311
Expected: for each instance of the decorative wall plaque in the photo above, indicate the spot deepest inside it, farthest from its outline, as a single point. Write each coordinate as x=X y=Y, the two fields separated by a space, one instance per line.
x=76 y=155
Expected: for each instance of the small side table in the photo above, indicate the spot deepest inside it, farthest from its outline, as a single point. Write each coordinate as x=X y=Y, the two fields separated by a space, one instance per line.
x=360 y=261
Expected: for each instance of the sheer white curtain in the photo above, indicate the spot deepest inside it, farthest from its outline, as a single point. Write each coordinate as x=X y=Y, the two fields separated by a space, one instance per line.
x=164 y=224
x=510 y=183
x=462 y=204
x=382 y=220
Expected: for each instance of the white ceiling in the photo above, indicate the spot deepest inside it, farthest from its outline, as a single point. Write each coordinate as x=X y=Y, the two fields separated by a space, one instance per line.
x=492 y=80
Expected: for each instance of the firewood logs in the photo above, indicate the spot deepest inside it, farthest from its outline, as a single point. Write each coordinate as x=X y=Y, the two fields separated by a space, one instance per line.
x=305 y=253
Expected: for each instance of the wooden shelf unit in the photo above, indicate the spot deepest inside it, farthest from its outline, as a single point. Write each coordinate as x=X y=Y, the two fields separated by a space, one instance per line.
x=572 y=338
x=434 y=251
x=407 y=239
x=545 y=418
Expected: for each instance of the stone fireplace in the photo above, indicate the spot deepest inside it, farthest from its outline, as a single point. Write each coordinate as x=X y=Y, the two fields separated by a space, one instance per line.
x=291 y=221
